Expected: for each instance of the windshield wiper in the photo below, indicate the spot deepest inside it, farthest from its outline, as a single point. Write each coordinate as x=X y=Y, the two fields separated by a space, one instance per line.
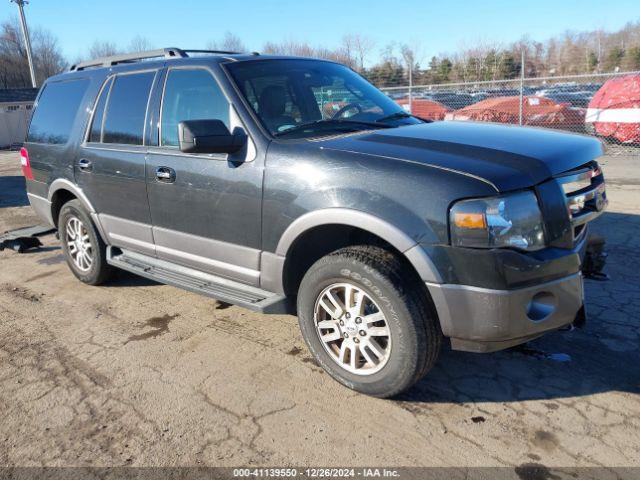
x=394 y=116
x=335 y=122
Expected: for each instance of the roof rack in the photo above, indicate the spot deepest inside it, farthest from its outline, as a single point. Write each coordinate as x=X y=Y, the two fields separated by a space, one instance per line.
x=170 y=52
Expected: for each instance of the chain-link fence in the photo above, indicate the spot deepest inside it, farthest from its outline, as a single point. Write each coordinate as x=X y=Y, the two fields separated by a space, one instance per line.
x=606 y=105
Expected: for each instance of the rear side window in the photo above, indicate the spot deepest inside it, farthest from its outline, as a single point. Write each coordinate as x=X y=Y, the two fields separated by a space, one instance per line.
x=190 y=95
x=95 y=135
x=57 y=107
x=127 y=108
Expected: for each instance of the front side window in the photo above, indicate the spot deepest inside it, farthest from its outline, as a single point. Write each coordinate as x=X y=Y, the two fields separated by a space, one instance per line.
x=56 y=110
x=304 y=98
x=127 y=108
x=190 y=94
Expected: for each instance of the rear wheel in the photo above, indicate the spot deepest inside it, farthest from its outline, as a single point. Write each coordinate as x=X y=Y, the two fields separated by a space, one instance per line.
x=367 y=321
x=82 y=246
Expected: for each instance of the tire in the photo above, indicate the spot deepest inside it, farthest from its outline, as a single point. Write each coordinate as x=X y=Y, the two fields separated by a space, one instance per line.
x=414 y=337
x=73 y=217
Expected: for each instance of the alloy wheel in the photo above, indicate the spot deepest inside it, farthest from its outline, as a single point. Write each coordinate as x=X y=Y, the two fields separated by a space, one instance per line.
x=352 y=328
x=79 y=244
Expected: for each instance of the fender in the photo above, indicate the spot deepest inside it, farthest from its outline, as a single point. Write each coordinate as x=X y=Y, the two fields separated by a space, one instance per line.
x=346 y=216
x=64 y=184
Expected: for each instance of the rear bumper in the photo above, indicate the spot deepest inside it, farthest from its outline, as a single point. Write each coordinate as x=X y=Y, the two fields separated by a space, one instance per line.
x=485 y=320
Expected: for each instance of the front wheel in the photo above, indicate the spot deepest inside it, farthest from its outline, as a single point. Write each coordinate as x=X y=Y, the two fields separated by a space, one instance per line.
x=367 y=321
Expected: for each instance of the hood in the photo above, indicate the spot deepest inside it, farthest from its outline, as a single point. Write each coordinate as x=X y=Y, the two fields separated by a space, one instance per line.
x=508 y=157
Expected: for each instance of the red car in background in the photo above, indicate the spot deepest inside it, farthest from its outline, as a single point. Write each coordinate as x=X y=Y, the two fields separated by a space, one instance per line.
x=614 y=110
x=423 y=108
x=536 y=111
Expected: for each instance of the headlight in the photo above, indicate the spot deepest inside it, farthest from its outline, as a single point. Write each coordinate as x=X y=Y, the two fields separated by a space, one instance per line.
x=512 y=220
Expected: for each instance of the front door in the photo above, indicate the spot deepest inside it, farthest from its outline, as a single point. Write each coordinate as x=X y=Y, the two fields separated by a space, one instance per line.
x=110 y=166
x=205 y=209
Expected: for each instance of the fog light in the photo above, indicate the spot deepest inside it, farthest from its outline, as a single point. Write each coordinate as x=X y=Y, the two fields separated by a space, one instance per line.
x=541 y=306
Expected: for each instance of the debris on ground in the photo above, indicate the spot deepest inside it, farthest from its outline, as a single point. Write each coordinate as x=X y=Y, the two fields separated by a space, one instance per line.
x=24 y=239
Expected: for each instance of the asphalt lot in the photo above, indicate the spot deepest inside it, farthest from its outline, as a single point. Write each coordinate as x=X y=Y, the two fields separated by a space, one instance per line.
x=137 y=373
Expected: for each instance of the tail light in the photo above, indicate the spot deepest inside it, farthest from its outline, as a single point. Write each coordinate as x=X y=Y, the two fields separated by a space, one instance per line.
x=26 y=164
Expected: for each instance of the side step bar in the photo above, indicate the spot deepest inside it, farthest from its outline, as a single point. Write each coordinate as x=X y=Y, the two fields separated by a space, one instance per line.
x=220 y=288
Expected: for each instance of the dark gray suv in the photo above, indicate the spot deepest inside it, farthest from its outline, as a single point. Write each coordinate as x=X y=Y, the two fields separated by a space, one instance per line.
x=292 y=185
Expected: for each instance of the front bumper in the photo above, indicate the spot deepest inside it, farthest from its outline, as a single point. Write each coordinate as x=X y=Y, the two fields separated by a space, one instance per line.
x=485 y=320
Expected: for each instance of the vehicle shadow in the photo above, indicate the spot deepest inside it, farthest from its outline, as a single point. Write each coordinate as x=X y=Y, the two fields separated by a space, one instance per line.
x=601 y=357
x=122 y=278
x=13 y=191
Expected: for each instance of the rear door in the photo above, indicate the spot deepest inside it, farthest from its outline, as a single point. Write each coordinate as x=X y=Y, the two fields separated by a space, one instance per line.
x=206 y=209
x=53 y=136
x=110 y=166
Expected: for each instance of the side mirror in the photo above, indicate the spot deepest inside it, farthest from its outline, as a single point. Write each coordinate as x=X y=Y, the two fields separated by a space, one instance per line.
x=209 y=136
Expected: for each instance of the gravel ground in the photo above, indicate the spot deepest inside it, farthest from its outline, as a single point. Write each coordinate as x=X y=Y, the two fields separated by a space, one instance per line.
x=137 y=373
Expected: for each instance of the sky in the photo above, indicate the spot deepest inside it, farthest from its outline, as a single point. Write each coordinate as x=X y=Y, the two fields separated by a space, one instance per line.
x=438 y=27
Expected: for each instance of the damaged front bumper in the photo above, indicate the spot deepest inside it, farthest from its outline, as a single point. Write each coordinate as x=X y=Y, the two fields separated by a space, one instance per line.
x=515 y=299
x=485 y=320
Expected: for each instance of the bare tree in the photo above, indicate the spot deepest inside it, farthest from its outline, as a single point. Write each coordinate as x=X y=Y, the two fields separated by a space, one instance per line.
x=103 y=48
x=230 y=42
x=14 y=69
x=303 y=49
x=48 y=58
x=411 y=54
x=139 y=44
x=357 y=47
x=289 y=47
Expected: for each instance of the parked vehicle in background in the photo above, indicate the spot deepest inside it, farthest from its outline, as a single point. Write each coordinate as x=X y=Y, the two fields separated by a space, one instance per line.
x=423 y=108
x=572 y=94
x=571 y=99
x=560 y=88
x=224 y=174
x=502 y=92
x=536 y=111
x=397 y=95
x=451 y=100
x=614 y=111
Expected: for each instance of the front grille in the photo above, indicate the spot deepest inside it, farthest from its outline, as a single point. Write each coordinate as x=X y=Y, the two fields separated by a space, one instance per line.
x=586 y=195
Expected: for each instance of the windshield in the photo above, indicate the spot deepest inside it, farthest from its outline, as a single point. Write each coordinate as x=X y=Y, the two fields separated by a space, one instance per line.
x=304 y=98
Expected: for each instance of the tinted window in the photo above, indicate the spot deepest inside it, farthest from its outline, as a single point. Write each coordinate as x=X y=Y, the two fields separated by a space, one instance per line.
x=57 y=108
x=98 y=116
x=190 y=95
x=127 y=108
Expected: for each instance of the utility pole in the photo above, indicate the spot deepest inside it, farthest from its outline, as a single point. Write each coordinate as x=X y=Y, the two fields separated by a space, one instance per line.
x=27 y=41
x=521 y=88
x=411 y=86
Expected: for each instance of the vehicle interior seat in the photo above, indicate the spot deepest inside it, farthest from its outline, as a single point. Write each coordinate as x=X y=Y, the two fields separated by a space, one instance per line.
x=272 y=103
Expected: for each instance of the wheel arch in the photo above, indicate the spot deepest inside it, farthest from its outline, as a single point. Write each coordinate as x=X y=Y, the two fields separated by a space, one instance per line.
x=334 y=228
x=61 y=191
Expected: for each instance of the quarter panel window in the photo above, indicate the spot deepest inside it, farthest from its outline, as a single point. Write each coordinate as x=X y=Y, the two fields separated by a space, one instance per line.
x=57 y=108
x=126 y=111
x=96 y=126
x=190 y=95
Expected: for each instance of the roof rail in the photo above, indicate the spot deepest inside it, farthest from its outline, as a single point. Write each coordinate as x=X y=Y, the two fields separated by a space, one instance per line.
x=218 y=52
x=129 y=57
x=170 y=52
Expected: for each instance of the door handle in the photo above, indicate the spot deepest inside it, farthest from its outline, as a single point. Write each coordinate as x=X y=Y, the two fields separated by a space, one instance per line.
x=165 y=174
x=85 y=165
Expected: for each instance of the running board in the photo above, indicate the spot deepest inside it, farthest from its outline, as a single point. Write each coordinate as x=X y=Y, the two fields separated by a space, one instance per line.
x=220 y=288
